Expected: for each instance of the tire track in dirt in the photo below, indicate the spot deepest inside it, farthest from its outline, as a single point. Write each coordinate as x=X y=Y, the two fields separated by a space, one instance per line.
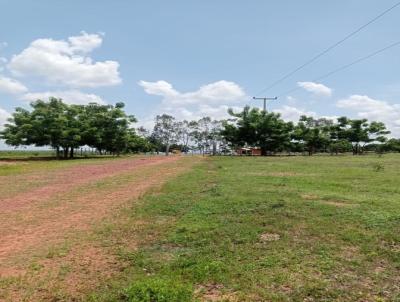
x=55 y=223
x=68 y=178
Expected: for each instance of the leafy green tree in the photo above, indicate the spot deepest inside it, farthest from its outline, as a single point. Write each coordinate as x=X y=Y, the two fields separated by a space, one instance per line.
x=51 y=123
x=106 y=127
x=164 y=134
x=360 y=133
x=62 y=126
x=313 y=133
x=392 y=145
x=137 y=143
x=254 y=127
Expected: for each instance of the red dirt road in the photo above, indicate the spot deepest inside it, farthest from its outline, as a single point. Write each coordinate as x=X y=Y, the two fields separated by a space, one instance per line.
x=71 y=200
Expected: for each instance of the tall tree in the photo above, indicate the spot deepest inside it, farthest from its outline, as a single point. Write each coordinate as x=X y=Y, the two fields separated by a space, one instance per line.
x=164 y=131
x=314 y=134
x=59 y=125
x=106 y=127
x=257 y=128
x=360 y=133
x=49 y=123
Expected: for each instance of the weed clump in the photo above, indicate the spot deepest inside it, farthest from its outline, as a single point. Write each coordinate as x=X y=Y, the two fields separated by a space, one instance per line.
x=378 y=167
x=158 y=290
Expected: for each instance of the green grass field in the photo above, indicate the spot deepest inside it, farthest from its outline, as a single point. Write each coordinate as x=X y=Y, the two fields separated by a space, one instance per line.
x=266 y=229
x=323 y=228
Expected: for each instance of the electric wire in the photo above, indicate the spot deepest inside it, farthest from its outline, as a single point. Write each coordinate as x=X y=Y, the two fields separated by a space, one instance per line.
x=328 y=74
x=313 y=59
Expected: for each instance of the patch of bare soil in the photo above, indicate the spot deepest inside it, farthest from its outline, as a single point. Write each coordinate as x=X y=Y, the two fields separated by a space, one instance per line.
x=338 y=203
x=5 y=163
x=214 y=292
x=276 y=174
x=309 y=196
x=332 y=202
x=78 y=272
x=79 y=212
x=266 y=237
x=66 y=179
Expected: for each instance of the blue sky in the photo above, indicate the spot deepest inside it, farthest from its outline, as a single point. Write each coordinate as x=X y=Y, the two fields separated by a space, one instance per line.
x=192 y=58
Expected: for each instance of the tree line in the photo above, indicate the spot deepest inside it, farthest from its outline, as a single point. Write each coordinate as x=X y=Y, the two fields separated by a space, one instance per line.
x=269 y=132
x=66 y=127
x=109 y=129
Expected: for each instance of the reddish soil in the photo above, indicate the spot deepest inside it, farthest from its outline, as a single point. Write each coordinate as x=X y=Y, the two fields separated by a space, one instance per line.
x=30 y=222
x=63 y=181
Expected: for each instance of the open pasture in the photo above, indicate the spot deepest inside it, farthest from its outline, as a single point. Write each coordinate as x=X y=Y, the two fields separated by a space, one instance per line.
x=322 y=228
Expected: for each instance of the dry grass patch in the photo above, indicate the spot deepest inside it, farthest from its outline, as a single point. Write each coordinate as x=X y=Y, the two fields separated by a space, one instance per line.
x=338 y=203
x=33 y=260
x=213 y=292
x=266 y=237
x=332 y=202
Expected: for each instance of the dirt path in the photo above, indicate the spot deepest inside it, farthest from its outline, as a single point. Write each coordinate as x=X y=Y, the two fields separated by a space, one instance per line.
x=73 y=201
x=66 y=179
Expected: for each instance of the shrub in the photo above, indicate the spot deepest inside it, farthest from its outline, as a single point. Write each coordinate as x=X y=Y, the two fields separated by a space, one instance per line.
x=377 y=167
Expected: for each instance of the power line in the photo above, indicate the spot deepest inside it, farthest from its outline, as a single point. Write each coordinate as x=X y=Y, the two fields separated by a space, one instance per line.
x=328 y=49
x=346 y=66
x=265 y=99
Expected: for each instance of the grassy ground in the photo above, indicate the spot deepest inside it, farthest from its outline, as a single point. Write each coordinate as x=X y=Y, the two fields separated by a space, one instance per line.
x=231 y=229
x=263 y=229
x=49 y=210
x=23 y=154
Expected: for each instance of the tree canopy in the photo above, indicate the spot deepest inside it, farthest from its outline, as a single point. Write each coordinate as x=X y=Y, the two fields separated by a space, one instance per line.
x=109 y=129
x=62 y=126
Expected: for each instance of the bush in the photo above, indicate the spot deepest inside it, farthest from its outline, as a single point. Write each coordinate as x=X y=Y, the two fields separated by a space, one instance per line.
x=377 y=167
x=158 y=290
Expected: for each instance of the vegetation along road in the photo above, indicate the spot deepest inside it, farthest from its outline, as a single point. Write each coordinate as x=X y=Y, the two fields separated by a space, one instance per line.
x=322 y=228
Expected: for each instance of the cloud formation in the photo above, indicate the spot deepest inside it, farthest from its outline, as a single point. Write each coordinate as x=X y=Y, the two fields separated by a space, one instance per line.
x=316 y=88
x=212 y=100
x=289 y=113
x=66 y=62
x=213 y=93
x=374 y=110
x=68 y=96
x=11 y=86
x=4 y=115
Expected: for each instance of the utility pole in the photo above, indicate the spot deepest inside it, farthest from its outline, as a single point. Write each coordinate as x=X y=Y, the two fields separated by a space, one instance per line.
x=265 y=101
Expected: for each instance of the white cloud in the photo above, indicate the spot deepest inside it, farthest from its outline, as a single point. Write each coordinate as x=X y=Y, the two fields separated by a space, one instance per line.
x=68 y=96
x=3 y=62
x=291 y=100
x=315 y=88
x=374 y=110
x=11 y=86
x=66 y=63
x=214 y=93
x=212 y=100
x=289 y=113
x=4 y=115
x=161 y=88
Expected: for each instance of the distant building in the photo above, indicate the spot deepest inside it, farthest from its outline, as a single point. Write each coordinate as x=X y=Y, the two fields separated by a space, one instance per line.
x=250 y=151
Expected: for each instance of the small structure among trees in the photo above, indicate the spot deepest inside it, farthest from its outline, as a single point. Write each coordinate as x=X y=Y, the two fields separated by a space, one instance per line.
x=269 y=132
x=251 y=151
x=108 y=129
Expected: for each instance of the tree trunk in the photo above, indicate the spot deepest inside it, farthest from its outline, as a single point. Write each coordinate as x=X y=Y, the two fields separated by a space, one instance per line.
x=71 y=153
x=214 y=149
x=66 y=152
x=167 y=150
x=58 y=152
